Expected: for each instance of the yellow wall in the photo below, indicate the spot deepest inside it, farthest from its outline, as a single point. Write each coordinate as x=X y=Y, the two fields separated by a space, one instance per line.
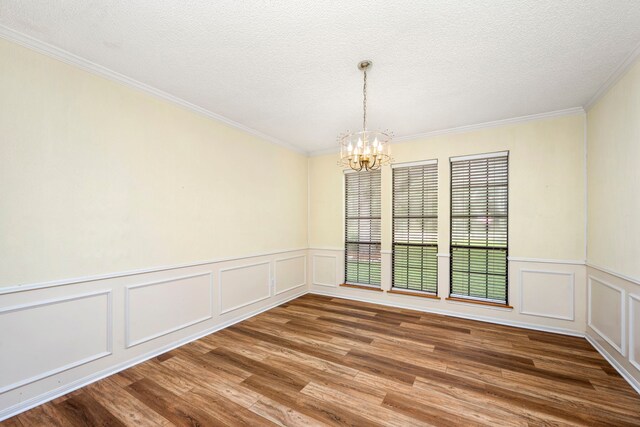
x=613 y=135
x=546 y=196
x=97 y=178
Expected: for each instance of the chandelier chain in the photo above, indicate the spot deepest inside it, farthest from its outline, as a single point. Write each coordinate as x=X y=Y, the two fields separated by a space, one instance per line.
x=364 y=101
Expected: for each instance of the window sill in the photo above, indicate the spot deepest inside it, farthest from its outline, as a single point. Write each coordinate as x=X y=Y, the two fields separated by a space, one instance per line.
x=413 y=294
x=365 y=287
x=485 y=303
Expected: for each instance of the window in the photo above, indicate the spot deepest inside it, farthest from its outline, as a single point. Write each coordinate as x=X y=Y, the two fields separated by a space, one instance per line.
x=479 y=224
x=415 y=227
x=362 y=240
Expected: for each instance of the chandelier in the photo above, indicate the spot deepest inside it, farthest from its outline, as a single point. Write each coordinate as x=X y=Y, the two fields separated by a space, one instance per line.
x=365 y=149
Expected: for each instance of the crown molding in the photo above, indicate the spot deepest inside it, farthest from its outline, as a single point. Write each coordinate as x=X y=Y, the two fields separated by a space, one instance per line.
x=615 y=75
x=469 y=128
x=492 y=124
x=86 y=65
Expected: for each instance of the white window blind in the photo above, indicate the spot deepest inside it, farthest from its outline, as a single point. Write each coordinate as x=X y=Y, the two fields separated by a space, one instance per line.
x=479 y=228
x=415 y=227
x=363 y=230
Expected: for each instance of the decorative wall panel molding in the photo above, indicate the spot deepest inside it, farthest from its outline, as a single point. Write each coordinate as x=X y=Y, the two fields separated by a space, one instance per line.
x=634 y=330
x=290 y=273
x=324 y=270
x=607 y=318
x=155 y=309
x=547 y=293
x=44 y=338
x=243 y=285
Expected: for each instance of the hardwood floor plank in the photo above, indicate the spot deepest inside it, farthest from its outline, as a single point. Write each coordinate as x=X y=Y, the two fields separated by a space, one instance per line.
x=83 y=410
x=214 y=381
x=124 y=406
x=324 y=310
x=43 y=415
x=412 y=354
x=427 y=413
x=329 y=414
x=478 y=401
x=348 y=385
x=307 y=362
x=225 y=410
x=171 y=406
x=155 y=371
x=570 y=398
x=374 y=412
x=294 y=345
x=281 y=376
x=335 y=332
x=15 y=422
x=371 y=364
x=281 y=414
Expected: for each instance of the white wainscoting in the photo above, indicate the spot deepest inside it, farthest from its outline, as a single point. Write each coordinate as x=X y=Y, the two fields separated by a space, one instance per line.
x=614 y=320
x=325 y=270
x=159 y=308
x=606 y=312
x=59 y=336
x=290 y=273
x=547 y=293
x=44 y=338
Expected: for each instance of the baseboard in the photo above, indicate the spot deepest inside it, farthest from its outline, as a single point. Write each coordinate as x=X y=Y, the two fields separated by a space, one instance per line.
x=493 y=320
x=613 y=362
x=82 y=382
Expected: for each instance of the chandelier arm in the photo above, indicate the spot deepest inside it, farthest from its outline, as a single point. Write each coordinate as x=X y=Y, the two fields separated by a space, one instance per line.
x=355 y=165
x=374 y=162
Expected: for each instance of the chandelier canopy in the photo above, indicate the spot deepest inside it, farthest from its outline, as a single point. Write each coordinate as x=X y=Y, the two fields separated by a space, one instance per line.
x=365 y=149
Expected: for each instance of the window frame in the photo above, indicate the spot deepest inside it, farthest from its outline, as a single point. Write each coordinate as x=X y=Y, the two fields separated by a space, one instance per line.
x=470 y=298
x=423 y=246
x=347 y=242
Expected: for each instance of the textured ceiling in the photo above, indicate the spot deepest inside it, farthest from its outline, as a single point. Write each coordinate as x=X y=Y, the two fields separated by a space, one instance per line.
x=288 y=68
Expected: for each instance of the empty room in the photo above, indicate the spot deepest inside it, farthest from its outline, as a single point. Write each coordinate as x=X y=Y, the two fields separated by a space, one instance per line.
x=357 y=213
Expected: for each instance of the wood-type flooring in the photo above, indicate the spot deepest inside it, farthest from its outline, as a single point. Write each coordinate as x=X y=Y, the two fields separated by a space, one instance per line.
x=328 y=361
